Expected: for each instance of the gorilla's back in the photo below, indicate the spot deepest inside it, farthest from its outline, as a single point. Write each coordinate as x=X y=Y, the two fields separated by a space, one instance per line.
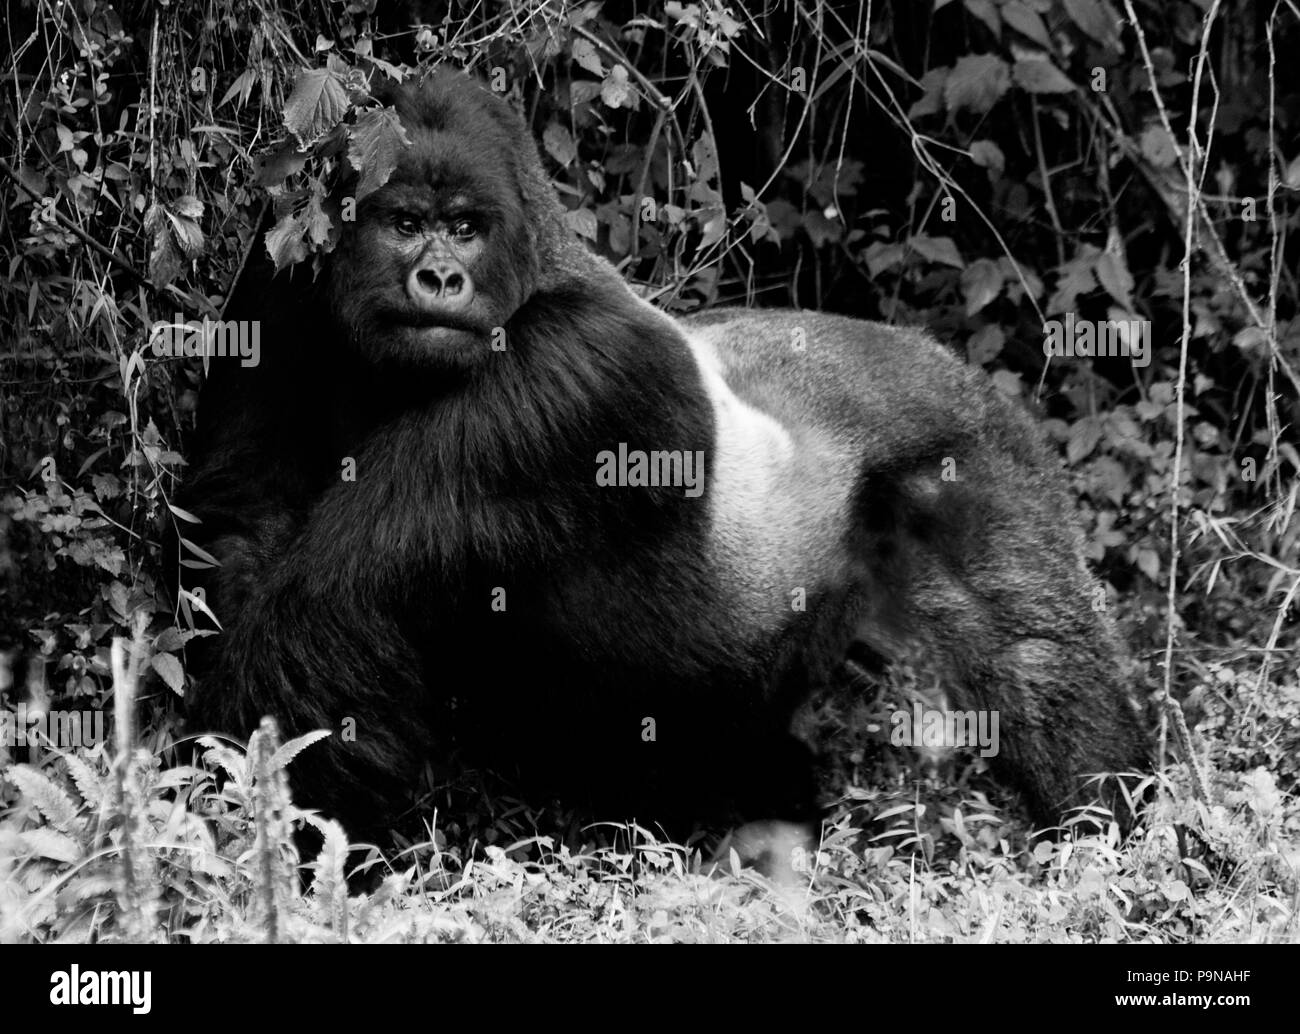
x=892 y=392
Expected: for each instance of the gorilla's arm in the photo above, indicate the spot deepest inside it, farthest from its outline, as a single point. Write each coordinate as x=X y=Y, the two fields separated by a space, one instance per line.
x=496 y=476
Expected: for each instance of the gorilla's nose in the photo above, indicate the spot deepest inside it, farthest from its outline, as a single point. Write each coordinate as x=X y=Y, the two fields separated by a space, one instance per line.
x=440 y=285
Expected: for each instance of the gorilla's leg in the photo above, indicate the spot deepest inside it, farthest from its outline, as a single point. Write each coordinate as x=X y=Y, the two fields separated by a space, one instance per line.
x=994 y=589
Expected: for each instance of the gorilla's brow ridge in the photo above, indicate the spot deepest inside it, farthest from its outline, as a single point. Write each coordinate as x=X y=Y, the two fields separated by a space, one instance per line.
x=434 y=202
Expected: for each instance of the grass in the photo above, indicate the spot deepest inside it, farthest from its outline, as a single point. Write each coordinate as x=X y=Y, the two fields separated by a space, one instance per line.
x=109 y=845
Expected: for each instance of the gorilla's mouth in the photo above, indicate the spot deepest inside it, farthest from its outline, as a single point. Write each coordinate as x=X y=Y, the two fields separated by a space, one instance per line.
x=416 y=325
x=418 y=337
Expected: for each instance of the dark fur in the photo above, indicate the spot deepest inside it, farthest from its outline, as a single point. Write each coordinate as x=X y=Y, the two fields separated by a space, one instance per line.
x=371 y=600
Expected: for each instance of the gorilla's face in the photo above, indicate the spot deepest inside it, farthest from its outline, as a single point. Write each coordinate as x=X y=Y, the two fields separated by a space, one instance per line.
x=441 y=256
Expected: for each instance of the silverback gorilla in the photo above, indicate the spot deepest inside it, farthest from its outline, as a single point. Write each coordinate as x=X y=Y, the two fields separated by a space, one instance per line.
x=479 y=494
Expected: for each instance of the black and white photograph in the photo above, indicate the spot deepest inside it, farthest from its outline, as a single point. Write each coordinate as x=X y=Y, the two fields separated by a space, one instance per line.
x=522 y=472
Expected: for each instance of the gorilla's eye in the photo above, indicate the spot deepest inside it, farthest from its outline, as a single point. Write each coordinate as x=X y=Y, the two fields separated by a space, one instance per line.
x=464 y=229
x=406 y=224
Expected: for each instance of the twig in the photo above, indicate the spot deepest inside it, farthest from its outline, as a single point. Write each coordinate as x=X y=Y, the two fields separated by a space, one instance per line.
x=1049 y=200
x=153 y=139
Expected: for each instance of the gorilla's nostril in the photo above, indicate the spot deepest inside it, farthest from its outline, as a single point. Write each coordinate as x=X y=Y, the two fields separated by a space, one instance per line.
x=453 y=284
x=429 y=281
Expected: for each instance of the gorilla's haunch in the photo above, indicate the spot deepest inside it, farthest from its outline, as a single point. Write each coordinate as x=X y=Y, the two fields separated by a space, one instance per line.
x=480 y=580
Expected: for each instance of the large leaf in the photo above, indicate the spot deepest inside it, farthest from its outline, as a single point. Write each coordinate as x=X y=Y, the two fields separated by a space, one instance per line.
x=976 y=82
x=1026 y=22
x=170 y=671
x=316 y=105
x=559 y=144
x=375 y=145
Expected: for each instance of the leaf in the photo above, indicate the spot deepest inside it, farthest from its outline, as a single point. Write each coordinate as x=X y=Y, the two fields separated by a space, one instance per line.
x=985 y=344
x=48 y=844
x=559 y=144
x=821 y=231
x=883 y=255
x=375 y=145
x=1158 y=146
x=1292 y=175
x=35 y=180
x=50 y=799
x=217 y=754
x=184 y=515
x=937 y=249
x=190 y=600
x=586 y=56
x=705 y=158
x=1026 y=22
x=1038 y=75
x=199 y=552
x=90 y=784
x=582 y=221
x=1084 y=436
x=1148 y=562
x=170 y=639
x=288 y=751
x=1115 y=278
x=284 y=243
x=1076 y=278
x=170 y=671
x=981 y=282
x=278 y=165
x=330 y=884
x=1250 y=339
x=315 y=223
x=615 y=90
x=976 y=82
x=931 y=101
x=988 y=155
x=1096 y=18
x=316 y=105
x=1007 y=384
x=242 y=88
x=987 y=13
x=181 y=215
